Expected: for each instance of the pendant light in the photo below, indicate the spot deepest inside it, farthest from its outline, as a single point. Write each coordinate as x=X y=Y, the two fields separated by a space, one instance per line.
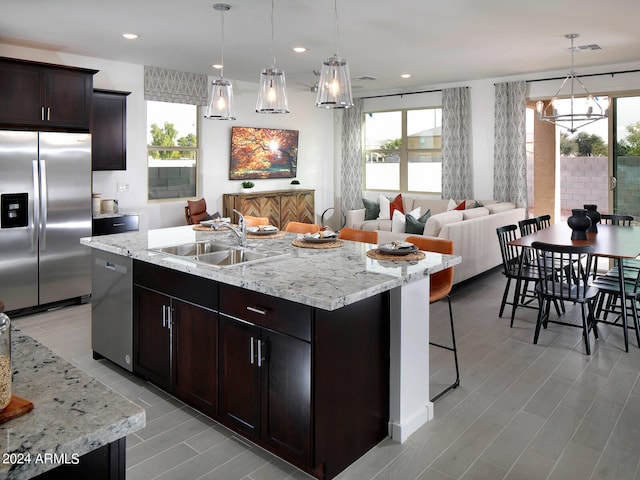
x=220 y=106
x=334 y=89
x=272 y=95
x=580 y=113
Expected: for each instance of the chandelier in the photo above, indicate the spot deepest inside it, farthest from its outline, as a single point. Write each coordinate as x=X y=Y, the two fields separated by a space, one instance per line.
x=582 y=112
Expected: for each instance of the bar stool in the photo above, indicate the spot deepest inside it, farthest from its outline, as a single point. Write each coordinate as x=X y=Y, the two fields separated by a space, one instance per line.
x=356 y=235
x=299 y=227
x=440 y=284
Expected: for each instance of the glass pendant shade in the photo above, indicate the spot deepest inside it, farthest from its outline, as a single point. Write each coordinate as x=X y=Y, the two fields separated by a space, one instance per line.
x=334 y=88
x=220 y=105
x=272 y=95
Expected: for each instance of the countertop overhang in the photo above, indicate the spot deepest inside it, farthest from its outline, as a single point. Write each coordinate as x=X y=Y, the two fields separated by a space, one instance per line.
x=324 y=278
x=73 y=412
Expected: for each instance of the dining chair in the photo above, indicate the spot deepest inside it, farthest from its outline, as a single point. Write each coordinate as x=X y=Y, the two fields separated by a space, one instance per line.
x=356 y=235
x=300 y=227
x=440 y=285
x=609 y=302
x=251 y=221
x=544 y=221
x=514 y=267
x=616 y=219
x=528 y=226
x=569 y=285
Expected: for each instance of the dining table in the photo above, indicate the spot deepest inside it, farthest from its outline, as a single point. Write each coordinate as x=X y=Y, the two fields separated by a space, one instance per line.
x=611 y=241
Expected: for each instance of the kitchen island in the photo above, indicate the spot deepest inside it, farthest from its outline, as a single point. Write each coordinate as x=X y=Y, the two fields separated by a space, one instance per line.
x=315 y=354
x=78 y=426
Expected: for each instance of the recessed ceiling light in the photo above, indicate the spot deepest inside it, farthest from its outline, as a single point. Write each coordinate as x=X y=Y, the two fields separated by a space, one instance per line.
x=406 y=75
x=130 y=36
x=299 y=49
x=217 y=66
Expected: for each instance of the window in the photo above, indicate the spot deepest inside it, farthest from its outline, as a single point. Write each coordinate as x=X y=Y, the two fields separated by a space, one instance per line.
x=403 y=150
x=172 y=150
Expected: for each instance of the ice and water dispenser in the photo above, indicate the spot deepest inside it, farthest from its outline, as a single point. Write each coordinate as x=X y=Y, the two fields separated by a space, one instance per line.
x=14 y=210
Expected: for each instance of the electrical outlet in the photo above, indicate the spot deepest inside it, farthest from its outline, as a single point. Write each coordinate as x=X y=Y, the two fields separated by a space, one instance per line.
x=122 y=186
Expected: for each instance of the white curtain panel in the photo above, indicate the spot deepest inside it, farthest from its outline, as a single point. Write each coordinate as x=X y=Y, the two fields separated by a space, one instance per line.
x=351 y=182
x=510 y=156
x=164 y=85
x=456 y=170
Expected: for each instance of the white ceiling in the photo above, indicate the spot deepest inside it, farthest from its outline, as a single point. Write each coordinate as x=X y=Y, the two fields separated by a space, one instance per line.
x=437 y=42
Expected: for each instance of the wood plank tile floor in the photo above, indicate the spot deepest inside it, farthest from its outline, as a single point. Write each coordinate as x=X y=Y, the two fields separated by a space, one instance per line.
x=522 y=411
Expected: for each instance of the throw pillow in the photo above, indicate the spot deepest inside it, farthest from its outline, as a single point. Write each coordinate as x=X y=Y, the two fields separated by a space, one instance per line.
x=398 y=220
x=461 y=206
x=416 y=225
x=451 y=205
x=396 y=204
x=385 y=209
x=372 y=209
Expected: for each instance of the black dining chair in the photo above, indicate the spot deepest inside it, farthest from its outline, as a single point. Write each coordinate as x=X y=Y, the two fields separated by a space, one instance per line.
x=515 y=267
x=544 y=221
x=566 y=285
x=527 y=226
x=616 y=219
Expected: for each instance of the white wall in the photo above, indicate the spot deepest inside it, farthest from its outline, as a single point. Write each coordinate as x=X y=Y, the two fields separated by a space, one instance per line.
x=315 y=148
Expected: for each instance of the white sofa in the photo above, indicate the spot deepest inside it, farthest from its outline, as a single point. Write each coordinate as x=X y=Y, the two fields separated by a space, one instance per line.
x=473 y=231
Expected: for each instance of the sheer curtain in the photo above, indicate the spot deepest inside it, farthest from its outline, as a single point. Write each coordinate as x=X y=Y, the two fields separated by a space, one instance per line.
x=351 y=178
x=456 y=172
x=510 y=156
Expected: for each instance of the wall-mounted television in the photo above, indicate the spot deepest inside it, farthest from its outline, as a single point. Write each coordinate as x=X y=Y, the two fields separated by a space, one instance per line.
x=263 y=153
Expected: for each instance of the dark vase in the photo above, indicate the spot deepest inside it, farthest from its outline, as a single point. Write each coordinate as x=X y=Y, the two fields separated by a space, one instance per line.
x=594 y=215
x=579 y=224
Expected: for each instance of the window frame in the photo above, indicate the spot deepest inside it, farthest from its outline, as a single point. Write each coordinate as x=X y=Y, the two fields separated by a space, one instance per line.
x=403 y=152
x=196 y=150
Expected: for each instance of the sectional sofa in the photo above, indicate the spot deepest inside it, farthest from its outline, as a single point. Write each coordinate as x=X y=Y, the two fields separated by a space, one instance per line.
x=472 y=228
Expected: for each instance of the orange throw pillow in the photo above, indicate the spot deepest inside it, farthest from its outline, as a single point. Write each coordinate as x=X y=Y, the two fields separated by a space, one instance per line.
x=396 y=204
x=461 y=206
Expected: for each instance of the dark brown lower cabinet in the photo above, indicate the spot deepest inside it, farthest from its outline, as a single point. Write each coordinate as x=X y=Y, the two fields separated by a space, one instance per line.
x=266 y=387
x=309 y=385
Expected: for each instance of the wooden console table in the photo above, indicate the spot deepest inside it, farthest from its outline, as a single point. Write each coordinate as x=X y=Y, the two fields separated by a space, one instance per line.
x=279 y=206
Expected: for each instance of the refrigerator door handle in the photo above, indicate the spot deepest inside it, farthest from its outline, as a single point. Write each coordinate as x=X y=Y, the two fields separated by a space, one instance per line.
x=43 y=203
x=36 y=206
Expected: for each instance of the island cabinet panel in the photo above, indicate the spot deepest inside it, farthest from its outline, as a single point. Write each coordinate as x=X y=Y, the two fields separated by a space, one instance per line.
x=44 y=96
x=280 y=207
x=265 y=375
x=175 y=339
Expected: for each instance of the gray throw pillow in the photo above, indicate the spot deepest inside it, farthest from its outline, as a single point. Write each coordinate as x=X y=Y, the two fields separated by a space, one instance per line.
x=416 y=225
x=372 y=209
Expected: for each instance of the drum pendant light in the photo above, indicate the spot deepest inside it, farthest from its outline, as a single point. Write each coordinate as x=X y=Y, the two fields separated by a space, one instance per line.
x=334 y=88
x=272 y=95
x=220 y=106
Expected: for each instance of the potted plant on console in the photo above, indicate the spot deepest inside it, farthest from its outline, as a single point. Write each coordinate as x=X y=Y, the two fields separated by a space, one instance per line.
x=247 y=184
x=295 y=183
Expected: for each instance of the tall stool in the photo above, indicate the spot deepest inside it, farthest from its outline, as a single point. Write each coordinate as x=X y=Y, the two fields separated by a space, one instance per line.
x=440 y=287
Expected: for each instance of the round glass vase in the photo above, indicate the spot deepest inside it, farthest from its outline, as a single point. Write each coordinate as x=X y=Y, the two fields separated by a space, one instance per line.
x=5 y=361
x=579 y=224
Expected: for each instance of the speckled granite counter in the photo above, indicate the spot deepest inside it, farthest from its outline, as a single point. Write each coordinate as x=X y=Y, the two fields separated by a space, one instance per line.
x=73 y=413
x=323 y=278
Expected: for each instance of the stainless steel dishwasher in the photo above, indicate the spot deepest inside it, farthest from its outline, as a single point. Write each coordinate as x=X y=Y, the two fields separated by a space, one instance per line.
x=111 y=308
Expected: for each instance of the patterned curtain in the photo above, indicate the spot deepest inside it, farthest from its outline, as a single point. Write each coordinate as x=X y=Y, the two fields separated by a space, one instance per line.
x=351 y=183
x=510 y=156
x=164 y=85
x=456 y=173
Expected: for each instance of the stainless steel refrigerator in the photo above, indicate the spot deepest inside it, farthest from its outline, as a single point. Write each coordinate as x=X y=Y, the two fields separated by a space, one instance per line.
x=45 y=208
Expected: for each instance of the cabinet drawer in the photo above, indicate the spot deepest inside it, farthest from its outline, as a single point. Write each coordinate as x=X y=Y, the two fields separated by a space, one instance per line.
x=270 y=312
x=190 y=288
x=107 y=226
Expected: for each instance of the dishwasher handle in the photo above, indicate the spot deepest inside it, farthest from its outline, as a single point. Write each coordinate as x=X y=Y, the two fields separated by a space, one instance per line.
x=114 y=267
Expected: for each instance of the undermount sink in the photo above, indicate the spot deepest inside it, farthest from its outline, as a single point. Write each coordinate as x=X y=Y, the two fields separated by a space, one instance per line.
x=218 y=254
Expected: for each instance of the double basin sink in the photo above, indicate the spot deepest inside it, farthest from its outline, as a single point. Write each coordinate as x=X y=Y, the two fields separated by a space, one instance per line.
x=218 y=254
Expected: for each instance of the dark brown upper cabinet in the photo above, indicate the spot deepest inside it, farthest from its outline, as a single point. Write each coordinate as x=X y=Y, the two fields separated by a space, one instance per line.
x=109 y=130
x=45 y=97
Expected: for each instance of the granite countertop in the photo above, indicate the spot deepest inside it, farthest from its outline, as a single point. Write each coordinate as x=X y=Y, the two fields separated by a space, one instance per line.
x=73 y=413
x=121 y=213
x=322 y=278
